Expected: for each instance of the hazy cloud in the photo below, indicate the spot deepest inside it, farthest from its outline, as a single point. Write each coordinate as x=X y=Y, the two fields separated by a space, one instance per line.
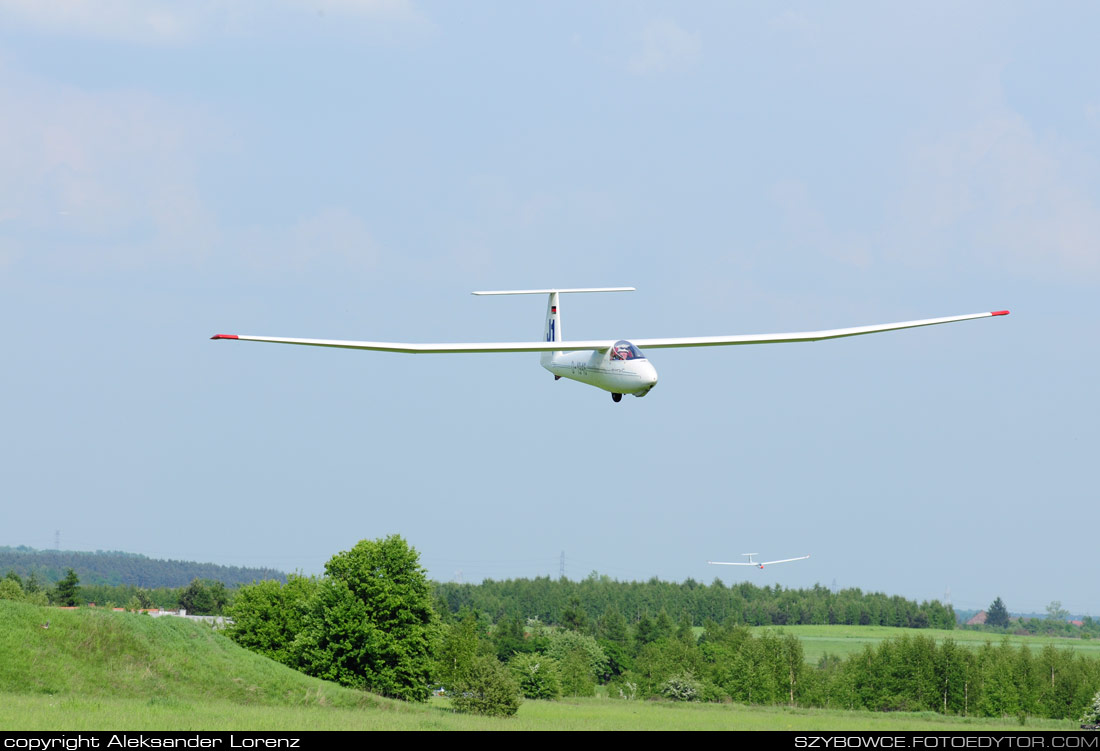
x=665 y=46
x=1006 y=197
x=330 y=239
x=791 y=20
x=164 y=22
x=88 y=177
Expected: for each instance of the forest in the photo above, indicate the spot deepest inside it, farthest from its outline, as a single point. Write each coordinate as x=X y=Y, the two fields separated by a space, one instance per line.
x=115 y=568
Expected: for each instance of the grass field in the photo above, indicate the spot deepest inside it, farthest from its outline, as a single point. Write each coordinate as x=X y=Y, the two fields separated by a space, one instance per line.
x=98 y=670
x=72 y=713
x=845 y=640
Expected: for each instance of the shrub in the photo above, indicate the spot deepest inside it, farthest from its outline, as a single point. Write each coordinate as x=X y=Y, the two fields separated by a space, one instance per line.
x=682 y=687
x=537 y=675
x=486 y=688
x=1092 y=712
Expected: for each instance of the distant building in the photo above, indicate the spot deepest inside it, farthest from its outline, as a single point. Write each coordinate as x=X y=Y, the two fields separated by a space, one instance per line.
x=978 y=619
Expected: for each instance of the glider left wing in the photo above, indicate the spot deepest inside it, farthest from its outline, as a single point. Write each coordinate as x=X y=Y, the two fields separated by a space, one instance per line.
x=419 y=349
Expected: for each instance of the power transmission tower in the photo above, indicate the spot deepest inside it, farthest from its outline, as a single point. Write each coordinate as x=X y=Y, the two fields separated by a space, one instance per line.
x=561 y=566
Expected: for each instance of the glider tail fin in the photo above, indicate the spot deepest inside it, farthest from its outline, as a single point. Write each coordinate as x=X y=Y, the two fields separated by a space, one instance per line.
x=551 y=331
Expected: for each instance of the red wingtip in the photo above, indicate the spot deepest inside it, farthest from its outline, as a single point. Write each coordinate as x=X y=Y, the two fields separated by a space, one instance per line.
x=224 y=336
x=999 y=313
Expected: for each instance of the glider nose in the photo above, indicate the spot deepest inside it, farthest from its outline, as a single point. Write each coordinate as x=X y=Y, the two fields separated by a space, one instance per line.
x=649 y=377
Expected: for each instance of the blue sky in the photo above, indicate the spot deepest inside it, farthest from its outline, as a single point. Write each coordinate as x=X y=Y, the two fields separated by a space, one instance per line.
x=354 y=168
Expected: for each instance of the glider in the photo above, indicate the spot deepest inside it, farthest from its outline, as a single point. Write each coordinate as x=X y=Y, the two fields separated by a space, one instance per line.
x=751 y=562
x=618 y=366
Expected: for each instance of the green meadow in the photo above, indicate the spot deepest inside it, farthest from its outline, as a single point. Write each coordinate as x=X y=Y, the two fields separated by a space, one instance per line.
x=845 y=640
x=100 y=670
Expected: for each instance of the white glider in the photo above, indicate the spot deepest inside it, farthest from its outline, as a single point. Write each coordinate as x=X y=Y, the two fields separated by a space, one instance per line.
x=751 y=562
x=617 y=366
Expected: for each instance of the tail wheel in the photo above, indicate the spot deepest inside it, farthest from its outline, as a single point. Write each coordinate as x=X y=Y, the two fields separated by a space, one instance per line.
x=616 y=398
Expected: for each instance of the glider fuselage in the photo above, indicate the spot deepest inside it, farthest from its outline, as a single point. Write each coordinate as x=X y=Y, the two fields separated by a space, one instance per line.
x=636 y=376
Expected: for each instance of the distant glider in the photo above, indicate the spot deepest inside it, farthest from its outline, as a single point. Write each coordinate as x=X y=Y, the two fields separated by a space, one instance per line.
x=751 y=562
x=617 y=366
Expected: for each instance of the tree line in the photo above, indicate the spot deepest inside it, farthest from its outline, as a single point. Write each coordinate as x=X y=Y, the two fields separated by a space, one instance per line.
x=370 y=622
x=546 y=599
x=373 y=621
x=114 y=568
x=200 y=597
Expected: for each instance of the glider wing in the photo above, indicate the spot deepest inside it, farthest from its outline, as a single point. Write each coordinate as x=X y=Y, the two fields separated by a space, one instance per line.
x=802 y=336
x=417 y=349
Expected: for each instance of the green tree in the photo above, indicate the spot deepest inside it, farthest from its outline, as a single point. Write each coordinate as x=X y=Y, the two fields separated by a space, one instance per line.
x=997 y=615
x=144 y=601
x=33 y=584
x=1056 y=612
x=67 y=591
x=486 y=688
x=510 y=637
x=613 y=628
x=372 y=624
x=10 y=590
x=197 y=599
x=1092 y=711
x=576 y=674
x=266 y=616
x=459 y=647
x=577 y=655
x=574 y=617
x=538 y=676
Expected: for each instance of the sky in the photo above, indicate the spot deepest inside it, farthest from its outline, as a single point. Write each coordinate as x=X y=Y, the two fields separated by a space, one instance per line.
x=353 y=169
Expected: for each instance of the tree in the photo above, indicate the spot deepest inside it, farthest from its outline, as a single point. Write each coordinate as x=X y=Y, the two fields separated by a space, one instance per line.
x=509 y=636
x=574 y=617
x=67 y=592
x=1092 y=712
x=33 y=584
x=459 y=647
x=197 y=599
x=372 y=624
x=10 y=590
x=538 y=676
x=997 y=615
x=266 y=616
x=487 y=688
x=1056 y=612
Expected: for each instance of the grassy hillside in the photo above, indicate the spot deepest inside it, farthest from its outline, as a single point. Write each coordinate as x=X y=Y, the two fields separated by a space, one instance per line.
x=97 y=653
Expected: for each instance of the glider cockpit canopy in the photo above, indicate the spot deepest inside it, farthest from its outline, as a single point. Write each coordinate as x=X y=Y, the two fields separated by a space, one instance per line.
x=624 y=350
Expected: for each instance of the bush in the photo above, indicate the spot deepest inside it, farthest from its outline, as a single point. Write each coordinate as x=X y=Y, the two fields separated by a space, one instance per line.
x=682 y=687
x=1092 y=712
x=537 y=675
x=486 y=688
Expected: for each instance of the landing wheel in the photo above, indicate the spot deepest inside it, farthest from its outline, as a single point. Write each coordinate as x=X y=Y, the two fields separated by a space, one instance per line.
x=616 y=398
